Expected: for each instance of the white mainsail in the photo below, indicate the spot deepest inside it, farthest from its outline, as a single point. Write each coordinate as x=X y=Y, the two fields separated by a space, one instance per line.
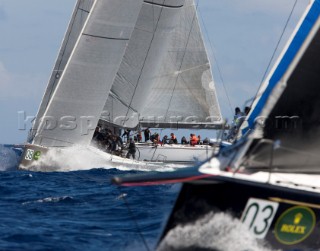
x=165 y=76
x=144 y=55
x=183 y=91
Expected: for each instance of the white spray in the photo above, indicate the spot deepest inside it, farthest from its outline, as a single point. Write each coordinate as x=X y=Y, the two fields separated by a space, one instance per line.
x=215 y=231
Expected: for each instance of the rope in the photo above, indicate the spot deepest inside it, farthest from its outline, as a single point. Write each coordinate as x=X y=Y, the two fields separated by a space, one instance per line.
x=122 y=196
x=274 y=52
x=217 y=63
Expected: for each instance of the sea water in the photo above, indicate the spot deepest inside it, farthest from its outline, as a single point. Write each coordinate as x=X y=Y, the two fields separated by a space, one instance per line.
x=81 y=210
x=77 y=210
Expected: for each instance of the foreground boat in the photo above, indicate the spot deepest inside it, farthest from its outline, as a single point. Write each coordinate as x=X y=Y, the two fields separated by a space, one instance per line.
x=268 y=181
x=127 y=65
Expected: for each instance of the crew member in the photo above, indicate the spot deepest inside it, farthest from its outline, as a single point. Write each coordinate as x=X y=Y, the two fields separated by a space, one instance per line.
x=193 y=139
x=147 y=134
x=199 y=140
x=131 y=149
x=139 y=136
x=164 y=140
x=155 y=138
x=184 y=140
x=173 y=139
x=126 y=133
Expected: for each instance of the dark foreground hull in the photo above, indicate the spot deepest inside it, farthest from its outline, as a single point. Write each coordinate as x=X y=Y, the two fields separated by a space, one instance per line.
x=283 y=218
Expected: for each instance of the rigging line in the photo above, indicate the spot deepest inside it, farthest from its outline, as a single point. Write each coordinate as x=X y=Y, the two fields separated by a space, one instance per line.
x=116 y=97
x=217 y=63
x=145 y=60
x=274 y=52
x=123 y=197
x=184 y=54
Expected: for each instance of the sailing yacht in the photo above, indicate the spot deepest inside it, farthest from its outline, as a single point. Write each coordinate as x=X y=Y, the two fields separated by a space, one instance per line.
x=127 y=65
x=268 y=181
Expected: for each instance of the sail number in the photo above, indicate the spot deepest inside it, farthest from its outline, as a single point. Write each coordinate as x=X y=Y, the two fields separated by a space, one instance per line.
x=258 y=215
x=32 y=155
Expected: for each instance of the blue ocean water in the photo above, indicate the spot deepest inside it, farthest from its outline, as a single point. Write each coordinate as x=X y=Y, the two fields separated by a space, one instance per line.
x=78 y=210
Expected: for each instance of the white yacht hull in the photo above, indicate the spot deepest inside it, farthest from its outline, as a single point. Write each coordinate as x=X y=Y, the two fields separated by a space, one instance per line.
x=174 y=153
x=39 y=158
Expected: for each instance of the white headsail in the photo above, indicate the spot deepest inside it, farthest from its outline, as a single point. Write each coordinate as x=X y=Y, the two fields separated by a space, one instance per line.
x=78 y=99
x=78 y=19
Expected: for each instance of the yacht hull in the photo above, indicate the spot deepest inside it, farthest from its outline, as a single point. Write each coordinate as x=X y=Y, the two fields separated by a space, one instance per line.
x=39 y=158
x=284 y=218
x=175 y=153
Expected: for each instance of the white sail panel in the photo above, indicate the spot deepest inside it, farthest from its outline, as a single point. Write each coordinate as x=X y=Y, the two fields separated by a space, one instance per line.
x=78 y=99
x=184 y=90
x=78 y=19
x=165 y=74
x=144 y=55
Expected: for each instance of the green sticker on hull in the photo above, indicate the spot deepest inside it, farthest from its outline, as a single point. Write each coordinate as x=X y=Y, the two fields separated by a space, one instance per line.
x=295 y=225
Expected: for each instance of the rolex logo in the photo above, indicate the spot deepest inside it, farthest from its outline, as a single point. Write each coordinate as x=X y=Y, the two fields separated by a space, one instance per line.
x=297 y=218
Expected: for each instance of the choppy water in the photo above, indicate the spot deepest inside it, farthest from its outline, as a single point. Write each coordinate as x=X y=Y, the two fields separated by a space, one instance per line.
x=82 y=210
x=78 y=210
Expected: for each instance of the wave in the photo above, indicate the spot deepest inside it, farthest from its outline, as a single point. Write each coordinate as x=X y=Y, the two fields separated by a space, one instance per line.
x=79 y=158
x=215 y=231
x=9 y=159
x=64 y=199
